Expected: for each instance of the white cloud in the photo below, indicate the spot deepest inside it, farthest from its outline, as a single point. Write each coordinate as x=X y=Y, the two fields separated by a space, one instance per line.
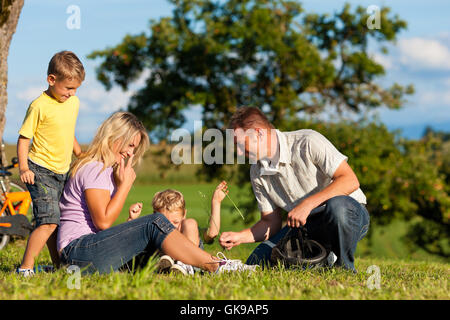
x=423 y=53
x=386 y=61
x=30 y=93
x=435 y=97
x=96 y=99
x=437 y=94
x=447 y=82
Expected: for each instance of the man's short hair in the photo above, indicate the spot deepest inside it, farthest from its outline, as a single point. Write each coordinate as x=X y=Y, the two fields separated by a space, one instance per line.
x=66 y=65
x=168 y=200
x=248 y=117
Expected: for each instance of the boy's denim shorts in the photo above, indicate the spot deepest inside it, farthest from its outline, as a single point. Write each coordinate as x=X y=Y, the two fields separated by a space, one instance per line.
x=45 y=193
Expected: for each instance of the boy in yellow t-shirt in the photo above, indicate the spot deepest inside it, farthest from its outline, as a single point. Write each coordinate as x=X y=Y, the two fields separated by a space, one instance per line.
x=50 y=122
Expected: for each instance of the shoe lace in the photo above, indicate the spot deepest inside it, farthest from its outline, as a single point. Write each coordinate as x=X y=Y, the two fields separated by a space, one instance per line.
x=229 y=264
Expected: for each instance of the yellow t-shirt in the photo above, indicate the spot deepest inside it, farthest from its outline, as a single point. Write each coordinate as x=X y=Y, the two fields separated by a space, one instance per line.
x=51 y=125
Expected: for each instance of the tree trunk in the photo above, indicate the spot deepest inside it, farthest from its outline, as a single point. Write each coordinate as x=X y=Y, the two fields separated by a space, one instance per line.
x=9 y=16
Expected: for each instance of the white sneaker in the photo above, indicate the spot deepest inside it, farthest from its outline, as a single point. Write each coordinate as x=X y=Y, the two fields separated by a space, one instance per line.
x=26 y=273
x=164 y=264
x=227 y=265
x=331 y=259
x=180 y=267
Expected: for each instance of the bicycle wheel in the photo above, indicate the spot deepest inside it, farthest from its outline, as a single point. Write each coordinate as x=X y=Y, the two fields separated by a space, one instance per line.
x=4 y=238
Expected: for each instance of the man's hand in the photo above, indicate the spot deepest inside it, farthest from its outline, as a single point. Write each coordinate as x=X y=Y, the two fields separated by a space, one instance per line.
x=297 y=216
x=229 y=240
x=27 y=176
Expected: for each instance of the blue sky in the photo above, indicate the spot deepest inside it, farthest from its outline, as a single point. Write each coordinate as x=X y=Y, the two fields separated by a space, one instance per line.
x=421 y=56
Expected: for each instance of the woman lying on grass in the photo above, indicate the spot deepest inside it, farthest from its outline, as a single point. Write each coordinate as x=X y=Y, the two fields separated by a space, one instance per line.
x=94 y=196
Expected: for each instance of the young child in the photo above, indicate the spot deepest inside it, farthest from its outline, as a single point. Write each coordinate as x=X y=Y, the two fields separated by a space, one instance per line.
x=172 y=205
x=50 y=122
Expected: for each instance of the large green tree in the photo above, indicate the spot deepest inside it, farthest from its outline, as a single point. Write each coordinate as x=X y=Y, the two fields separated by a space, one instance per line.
x=268 y=53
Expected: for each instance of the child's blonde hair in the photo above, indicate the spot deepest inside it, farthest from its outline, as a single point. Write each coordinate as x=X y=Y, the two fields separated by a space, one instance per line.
x=168 y=200
x=120 y=127
x=66 y=65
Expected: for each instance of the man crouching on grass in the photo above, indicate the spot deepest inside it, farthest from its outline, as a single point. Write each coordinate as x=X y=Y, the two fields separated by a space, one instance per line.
x=298 y=171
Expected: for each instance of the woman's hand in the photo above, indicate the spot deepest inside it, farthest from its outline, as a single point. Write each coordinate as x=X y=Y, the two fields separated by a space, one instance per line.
x=134 y=211
x=220 y=192
x=124 y=175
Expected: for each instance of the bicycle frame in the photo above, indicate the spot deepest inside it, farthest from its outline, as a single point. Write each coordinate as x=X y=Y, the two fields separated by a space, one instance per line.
x=23 y=198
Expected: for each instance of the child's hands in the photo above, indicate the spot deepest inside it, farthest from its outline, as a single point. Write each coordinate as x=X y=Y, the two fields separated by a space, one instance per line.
x=27 y=176
x=134 y=211
x=220 y=192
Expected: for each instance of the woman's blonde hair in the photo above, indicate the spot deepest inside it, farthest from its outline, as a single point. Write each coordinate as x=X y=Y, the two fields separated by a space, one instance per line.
x=120 y=127
x=168 y=200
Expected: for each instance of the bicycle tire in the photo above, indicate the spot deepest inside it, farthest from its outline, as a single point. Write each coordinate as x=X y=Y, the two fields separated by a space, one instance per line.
x=4 y=238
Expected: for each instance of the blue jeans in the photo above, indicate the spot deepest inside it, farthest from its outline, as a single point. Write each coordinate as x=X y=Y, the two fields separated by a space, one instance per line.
x=113 y=248
x=338 y=227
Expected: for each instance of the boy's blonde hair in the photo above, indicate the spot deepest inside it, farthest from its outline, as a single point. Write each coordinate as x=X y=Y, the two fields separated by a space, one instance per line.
x=66 y=65
x=120 y=127
x=168 y=200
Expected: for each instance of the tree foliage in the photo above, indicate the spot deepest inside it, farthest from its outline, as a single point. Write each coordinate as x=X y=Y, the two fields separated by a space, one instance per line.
x=268 y=53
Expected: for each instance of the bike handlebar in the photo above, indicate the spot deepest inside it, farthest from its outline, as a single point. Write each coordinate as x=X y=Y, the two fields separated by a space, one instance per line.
x=4 y=171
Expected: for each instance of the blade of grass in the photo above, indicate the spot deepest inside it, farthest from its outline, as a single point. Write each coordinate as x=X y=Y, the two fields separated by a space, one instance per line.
x=234 y=204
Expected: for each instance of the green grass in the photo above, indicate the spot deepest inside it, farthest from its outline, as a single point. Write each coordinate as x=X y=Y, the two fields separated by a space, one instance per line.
x=405 y=278
x=398 y=280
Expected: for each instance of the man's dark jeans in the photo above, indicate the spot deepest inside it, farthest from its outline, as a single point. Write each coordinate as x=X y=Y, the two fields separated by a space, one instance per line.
x=339 y=227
